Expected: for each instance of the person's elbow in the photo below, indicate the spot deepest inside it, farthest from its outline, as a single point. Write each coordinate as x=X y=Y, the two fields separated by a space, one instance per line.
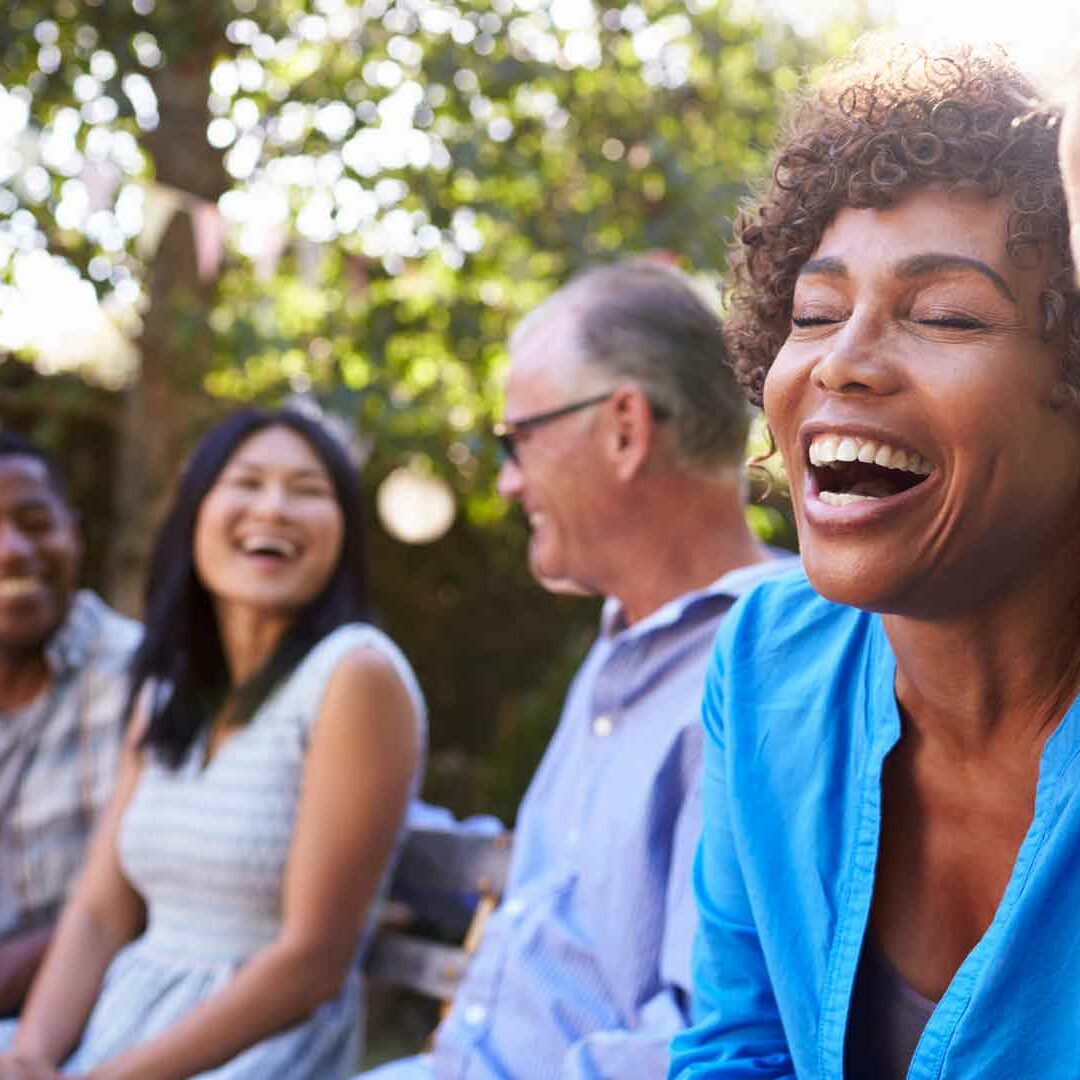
x=317 y=971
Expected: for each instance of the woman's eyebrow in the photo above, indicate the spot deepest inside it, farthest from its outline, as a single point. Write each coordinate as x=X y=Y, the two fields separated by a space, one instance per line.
x=917 y=265
x=828 y=265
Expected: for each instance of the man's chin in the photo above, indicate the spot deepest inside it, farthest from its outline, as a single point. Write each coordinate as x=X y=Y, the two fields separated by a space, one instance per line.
x=27 y=627
x=564 y=586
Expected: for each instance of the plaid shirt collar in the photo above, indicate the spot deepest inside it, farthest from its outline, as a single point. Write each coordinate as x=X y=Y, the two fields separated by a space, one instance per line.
x=71 y=646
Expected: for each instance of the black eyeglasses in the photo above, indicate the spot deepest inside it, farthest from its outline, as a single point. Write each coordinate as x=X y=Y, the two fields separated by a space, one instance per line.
x=509 y=430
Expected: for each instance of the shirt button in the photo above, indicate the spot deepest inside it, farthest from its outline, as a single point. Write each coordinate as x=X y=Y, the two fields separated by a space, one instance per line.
x=475 y=1015
x=603 y=726
x=514 y=907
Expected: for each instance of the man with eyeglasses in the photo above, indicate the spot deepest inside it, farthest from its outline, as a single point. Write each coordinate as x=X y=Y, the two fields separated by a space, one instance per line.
x=624 y=439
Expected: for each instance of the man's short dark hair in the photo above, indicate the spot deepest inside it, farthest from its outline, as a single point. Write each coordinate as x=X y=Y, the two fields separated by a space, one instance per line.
x=12 y=444
x=647 y=322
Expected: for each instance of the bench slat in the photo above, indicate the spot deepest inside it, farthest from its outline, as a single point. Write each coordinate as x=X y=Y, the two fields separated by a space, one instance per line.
x=424 y=967
x=439 y=860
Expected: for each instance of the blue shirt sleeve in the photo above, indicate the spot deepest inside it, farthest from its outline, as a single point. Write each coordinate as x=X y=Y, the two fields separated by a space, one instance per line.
x=737 y=1031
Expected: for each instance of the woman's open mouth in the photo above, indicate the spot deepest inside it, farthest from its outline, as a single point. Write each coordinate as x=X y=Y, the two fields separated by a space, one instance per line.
x=846 y=469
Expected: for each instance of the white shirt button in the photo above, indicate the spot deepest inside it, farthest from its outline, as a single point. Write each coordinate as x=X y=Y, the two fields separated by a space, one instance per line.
x=572 y=838
x=515 y=907
x=603 y=726
x=475 y=1015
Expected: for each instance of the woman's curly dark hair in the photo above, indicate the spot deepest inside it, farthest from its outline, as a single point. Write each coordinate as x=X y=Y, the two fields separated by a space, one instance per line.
x=892 y=119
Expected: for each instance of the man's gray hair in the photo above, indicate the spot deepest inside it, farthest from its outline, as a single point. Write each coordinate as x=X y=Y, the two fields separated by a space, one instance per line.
x=647 y=322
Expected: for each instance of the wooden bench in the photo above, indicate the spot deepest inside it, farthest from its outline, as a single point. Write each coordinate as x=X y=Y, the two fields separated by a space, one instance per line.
x=443 y=891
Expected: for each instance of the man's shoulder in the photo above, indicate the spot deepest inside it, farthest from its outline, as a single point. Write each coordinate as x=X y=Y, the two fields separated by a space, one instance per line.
x=113 y=637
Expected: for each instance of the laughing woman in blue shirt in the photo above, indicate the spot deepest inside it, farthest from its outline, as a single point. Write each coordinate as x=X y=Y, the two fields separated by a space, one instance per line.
x=889 y=877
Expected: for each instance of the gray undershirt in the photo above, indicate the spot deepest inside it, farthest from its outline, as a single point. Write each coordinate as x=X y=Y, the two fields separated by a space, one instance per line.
x=885 y=1021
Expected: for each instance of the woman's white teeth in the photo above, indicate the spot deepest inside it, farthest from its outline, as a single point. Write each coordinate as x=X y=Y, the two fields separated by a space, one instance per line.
x=830 y=449
x=843 y=498
x=258 y=545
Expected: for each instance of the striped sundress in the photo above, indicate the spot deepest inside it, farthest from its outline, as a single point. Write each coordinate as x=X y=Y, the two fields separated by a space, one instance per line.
x=206 y=846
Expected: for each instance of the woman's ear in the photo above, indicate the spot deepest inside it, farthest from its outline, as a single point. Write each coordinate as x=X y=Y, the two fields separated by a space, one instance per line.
x=1065 y=396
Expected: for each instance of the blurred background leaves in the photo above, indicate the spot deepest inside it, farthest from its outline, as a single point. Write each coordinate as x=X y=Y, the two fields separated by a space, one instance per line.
x=246 y=199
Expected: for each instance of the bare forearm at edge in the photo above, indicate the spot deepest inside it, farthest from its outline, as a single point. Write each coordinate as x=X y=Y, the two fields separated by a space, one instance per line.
x=66 y=987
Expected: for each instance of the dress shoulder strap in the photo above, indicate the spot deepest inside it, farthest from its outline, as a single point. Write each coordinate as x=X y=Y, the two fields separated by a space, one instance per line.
x=312 y=675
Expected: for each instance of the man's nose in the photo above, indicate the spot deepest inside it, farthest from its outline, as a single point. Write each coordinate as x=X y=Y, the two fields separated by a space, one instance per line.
x=15 y=545
x=510 y=482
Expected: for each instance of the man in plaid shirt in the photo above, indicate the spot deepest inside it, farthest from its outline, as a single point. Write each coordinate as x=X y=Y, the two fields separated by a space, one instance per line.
x=63 y=684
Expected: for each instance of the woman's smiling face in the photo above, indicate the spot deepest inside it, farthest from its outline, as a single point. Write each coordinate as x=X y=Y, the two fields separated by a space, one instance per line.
x=270 y=530
x=932 y=462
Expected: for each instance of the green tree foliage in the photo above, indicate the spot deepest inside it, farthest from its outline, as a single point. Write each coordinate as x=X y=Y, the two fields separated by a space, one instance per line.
x=429 y=170
x=400 y=180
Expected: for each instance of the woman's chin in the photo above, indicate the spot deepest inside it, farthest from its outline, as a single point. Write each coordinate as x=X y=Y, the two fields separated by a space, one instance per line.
x=856 y=581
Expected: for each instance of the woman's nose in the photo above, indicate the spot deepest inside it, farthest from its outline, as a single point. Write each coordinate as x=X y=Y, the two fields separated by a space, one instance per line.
x=272 y=500
x=857 y=360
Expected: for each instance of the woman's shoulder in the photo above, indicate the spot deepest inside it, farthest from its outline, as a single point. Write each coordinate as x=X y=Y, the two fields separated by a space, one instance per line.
x=793 y=694
x=783 y=630
x=785 y=612
x=355 y=644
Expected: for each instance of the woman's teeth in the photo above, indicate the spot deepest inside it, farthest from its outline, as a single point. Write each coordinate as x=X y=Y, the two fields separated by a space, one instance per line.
x=832 y=449
x=843 y=498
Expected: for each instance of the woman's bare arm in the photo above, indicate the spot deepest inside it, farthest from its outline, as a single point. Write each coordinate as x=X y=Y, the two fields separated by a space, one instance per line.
x=364 y=748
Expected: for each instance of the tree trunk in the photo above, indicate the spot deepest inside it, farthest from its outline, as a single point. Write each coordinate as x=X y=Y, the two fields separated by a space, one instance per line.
x=167 y=405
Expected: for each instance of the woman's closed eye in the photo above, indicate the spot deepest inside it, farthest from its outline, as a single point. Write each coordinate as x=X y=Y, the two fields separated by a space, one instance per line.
x=245 y=481
x=953 y=322
x=943 y=314
x=312 y=491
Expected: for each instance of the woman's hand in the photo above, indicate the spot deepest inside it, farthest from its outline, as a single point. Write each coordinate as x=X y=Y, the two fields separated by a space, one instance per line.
x=16 y=1066
x=1070 y=168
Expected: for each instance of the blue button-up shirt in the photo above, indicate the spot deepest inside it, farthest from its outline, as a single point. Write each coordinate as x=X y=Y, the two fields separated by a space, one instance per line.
x=800 y=713
x=584 y=971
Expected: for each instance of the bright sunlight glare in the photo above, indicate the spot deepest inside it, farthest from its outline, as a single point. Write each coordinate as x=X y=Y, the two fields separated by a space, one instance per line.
x=1043 y=36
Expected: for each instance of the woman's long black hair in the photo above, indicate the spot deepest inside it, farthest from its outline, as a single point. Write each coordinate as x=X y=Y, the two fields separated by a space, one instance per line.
x=181 y=653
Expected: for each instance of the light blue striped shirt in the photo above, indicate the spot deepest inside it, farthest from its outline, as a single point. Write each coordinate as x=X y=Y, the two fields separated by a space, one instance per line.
x=584 y=971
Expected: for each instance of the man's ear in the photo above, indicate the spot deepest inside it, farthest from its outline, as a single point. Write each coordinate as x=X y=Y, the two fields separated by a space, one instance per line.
x=633 y=431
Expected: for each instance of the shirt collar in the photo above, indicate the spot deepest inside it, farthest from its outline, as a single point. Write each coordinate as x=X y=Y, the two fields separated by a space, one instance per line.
x=732 y=585
x=70 y=646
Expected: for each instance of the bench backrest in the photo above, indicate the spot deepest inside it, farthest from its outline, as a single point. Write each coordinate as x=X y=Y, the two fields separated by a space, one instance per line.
x=445 y=886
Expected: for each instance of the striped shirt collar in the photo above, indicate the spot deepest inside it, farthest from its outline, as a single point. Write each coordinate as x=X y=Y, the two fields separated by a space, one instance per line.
x=72 y=644
x=731 y=585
